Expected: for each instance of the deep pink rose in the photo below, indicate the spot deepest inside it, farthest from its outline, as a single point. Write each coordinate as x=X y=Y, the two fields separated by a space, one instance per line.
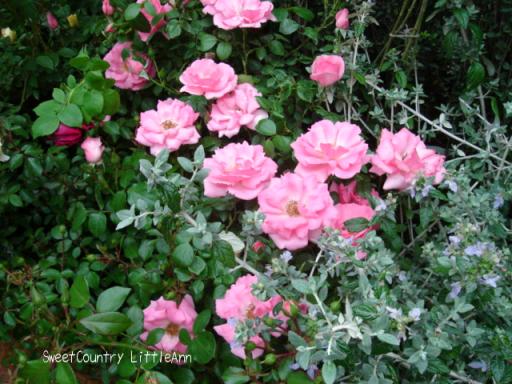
x=171 y=317
x=205 y=77
x=169 y=126
x=330 y=149
x=93 y=149
x=107 y=9
x=66 y=136
x=344 y=212
x=160 y=10
x=127 y=72
x=52 y=21
x=342 y=19
x=295 y=209
x=348 y=193
x=327 y=69
x=236 y=109
x=230 y=14
x=403 y=157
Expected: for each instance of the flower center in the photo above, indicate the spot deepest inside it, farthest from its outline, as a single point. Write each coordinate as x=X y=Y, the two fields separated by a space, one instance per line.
x=168 y=124
x=292 y=208
x=172 y=329
x=249 y=312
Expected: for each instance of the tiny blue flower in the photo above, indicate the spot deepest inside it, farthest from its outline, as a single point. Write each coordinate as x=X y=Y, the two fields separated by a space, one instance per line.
x=453 y=186
x=476 y=249
x=456 y=288
x=415 y=314
x=294 y=366
x=286 y=256
x=311 y=371
x=490 y=280
x=498 y=201
x=426 y=190
x=394 y=313
x=455 y=240
x=232 y=322
x=478 y=365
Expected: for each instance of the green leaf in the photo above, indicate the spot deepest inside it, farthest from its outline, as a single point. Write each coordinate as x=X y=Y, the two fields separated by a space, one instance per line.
x=71 y=115
x=173 y=29
x=93 y=103
x=107 y=323
x=49 y=107
x=153 y=377
x=36 y=372
x=132 y=11
x=329 y=372
x=202 y=347
x=206 y=41
x=97 y=224
x=45 y=62
x=266 y=127
x=112 y=299
x=303 y=13
x=298 y=378
x=202 y=321
x=79 y=292
x=45 y=125
x=183 y=255
x=388 y=338
x=154 y=336
x=59 y=95
x=235 y=375
x=111 y=102
x=277 y=48
x=223 y=252
x=224 y=50
x=475 y=76
x=288 y=26
x=79 y=216
x=64 y=374
x=356 y=224
x=306 y=90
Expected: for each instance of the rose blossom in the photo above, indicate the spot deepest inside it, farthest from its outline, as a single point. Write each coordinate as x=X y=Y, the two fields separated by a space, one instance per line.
x=229 y=14
x=235 y=109
x=242 y=170
x=239 y=304
x=160 y=10
x=52 y=21
x=205 y=77
x=403 y=157
x=93 y=149
x=169 y=126
x=107 y=8
x=344 y=212
x=65 y=136
x=348 y=193
x=330 y=149
x=327 y=69
x=171 y=317
x=295 y=209
x=127 y=72
x=342 y=19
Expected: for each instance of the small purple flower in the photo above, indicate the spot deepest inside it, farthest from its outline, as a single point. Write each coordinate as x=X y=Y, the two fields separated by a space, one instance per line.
x=232 y=322
x=268 y=270
x=455 y=240
x=456 y=288
x=498 y=201
x=415 y=314
x=311 y=371
x=381 y=206
x=482 y=365
x=402 y=276
x=426 y=190
x=452 y=185
x=412 y=191
x=394 y=313
x=476 y=249
x=294 y=366
x=490 y=280
x=286 y=256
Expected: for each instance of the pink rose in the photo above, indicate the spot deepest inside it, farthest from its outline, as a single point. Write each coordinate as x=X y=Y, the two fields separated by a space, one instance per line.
x=242 y=170
x=403 y=157
x=107 y=9
x=52 y=21
x=342 y=19
x=66 y=136
x=344 y=212
x=348 y=193
x=295 y=209
x=229 y=14
x=171 y=317
x=330 y=149
x=93 y=149
x=204 y=77
x=127 y=72
x=235 y=109
x=160 y=10
x=327 y=69
x=169 y=126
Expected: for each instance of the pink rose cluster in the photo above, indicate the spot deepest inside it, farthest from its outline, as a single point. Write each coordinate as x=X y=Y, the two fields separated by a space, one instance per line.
x=172 y=318
x=231 y=14
x=238 y=305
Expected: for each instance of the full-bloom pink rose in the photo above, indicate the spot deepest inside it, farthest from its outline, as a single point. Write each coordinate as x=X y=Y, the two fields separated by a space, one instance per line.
x=160 y=10
x=235 y=109
x=127 y=73
x=205 y=77
x=107 y=8
x=230 y=14
x=348 y=193
x=52 y=21
x=342 y=19
x=242 y=170
x=295 y=209
x=403 y=157
x=171 y=317
x=344 y=212
x=93 y=149
x=169 y=126
x=327 y=69
x=66 y=136
x=330 y=149
x=239 y=304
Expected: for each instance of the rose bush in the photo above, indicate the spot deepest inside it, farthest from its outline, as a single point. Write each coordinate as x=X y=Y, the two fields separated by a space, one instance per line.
x=290 y=192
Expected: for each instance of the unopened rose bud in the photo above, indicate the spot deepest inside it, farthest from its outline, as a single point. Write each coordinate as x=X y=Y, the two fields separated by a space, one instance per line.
x=258 y=246
x=250 y=346
x=270 y=359
x=73 y=20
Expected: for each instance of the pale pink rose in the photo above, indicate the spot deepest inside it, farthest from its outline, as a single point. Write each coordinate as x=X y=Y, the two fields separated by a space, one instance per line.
x=348 y=193
x=171 y=317
x=403 y=157
x=344 y=212
x=93 y=149
x=327 y=69
x=169 y=126
x=330 y=149
x=230 y=14
x=205 y=77
x=241 y=170
x=235 y=109
x=160 y=10
x=107 y=8
x=127 y=73
x=342 y=19
x=52 y=21
x=296 y=209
